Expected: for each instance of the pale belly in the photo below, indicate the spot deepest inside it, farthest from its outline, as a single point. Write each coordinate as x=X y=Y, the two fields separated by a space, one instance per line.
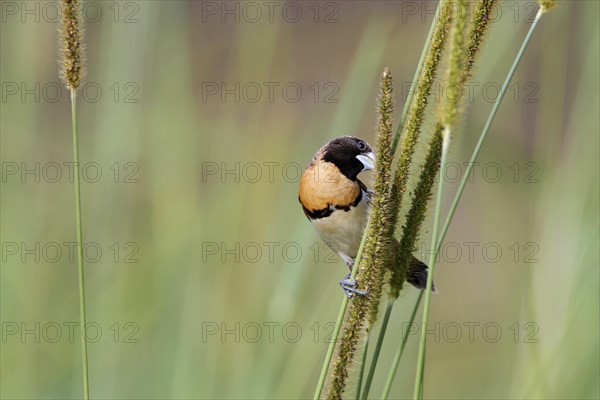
x=343 y=230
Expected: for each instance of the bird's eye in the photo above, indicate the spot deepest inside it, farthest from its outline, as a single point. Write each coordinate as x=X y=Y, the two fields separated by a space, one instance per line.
x=362 y=146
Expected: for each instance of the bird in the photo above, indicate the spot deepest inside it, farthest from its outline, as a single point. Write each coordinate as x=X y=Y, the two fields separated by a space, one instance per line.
x=337 y=203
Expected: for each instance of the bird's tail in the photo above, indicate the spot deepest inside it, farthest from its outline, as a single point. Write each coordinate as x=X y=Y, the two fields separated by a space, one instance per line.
x=417 y=275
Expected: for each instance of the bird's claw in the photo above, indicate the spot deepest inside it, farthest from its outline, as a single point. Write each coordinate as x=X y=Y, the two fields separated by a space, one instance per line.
x=349 y=286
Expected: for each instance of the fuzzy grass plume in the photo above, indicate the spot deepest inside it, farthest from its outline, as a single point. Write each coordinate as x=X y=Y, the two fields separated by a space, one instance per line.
x=72 y=48
x=461 y=61
x=416 y=113
x=476 y=36
x=376 y=253
x=454 y=81
x=385 y=208
x=410 y=136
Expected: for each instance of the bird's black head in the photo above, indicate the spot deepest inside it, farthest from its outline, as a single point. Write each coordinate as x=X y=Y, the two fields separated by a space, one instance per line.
x=350 y=154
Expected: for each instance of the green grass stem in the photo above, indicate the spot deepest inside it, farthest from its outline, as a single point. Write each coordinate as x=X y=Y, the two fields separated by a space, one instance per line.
x=380 y=337
x=398 y=356
x=363 y=362
x=82 y=316
x=434 y=244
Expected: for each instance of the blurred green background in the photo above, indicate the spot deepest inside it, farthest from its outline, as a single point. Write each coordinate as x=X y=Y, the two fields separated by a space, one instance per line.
x=204 y=278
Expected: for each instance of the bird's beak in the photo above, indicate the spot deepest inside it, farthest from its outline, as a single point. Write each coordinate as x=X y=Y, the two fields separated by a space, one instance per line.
x=367 y=160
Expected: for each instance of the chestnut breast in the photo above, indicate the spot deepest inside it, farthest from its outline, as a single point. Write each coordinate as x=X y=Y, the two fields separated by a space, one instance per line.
x=323 y=185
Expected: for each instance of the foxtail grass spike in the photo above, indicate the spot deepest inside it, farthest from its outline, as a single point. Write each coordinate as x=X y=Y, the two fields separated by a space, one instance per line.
x=476 y=36
x=453 y=74
x=449 y=111
x=413 y=123
x=376 y=252
x=72 y=49
x=389 y=208
x=416 y=112
x=415 y=80
x=418 y=209
x=384 y=207
x=462 y=59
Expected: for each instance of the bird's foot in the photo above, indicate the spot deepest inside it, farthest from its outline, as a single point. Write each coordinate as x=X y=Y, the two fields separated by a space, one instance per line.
x=349 y=286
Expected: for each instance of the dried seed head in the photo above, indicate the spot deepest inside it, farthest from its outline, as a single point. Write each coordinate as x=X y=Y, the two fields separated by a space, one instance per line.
x=71 y=37
x=547 y=4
